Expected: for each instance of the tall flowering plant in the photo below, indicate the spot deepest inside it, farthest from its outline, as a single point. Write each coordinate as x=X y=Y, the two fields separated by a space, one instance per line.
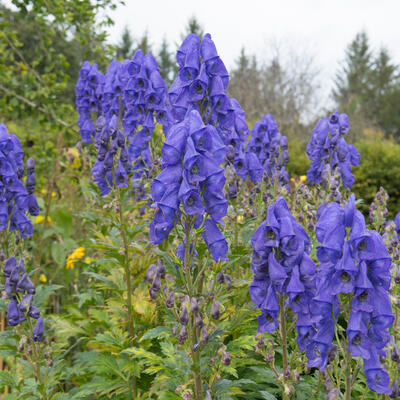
x=118 y=110
x=17 y=201
x=284 y=281
x=329 y=153
x=271 y=149
x=352 y=302
x=190 y=205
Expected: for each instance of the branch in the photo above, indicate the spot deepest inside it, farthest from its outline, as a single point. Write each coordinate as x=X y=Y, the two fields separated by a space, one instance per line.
x=39 y=108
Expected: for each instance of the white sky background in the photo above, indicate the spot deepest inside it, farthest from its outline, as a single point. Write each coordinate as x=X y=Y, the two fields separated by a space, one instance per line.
x=321 y=28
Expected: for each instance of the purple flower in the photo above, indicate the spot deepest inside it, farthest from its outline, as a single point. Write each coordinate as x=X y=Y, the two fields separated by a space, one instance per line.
x=38 y=330
x=282 y=267
x=328 y=149
x=353 y=260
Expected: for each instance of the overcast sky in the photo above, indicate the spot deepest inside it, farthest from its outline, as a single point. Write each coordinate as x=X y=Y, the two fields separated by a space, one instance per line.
x=322 y=28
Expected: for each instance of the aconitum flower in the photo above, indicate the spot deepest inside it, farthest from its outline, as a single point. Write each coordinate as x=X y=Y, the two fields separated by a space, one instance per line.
x=16 y=200
x=191 y=181
x=329 y=153
x=119 y=110
x=201 y=85
x=20 y=290
x=282 y=267
x=271 y=150
x=353 y=261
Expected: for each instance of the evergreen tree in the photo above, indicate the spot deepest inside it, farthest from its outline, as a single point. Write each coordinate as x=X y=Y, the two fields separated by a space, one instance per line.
x=124 y=48
x=193 y=26
x=144 y=43
x=367 y=87
x=166 y=63
x=353 y=79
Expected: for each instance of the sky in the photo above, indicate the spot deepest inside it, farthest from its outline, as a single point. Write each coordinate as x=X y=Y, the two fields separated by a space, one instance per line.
x=320 y=28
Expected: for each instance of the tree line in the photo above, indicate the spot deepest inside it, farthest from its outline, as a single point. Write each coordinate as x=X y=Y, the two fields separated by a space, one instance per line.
x=42 y=49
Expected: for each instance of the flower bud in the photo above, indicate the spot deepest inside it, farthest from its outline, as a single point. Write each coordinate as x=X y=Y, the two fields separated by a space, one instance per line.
x=220 y=278
x=171 y=299
x=198 y=321
x=46 y=355
x=29 y=351
x=286 y=374
x=226 y=358
x=208 y=395
x=227 y=281
x=215 y=310
x=174 y=330
x=20 y=348
x=333 y=394
x=184 y=317
x=260 y=344
x=395 y=356
x=183 y=335
x=395 y=390
x=50 y=362
x=156 y=285
x=150 y=273
x=332 y=353
x=160 y=269
x=204 y=335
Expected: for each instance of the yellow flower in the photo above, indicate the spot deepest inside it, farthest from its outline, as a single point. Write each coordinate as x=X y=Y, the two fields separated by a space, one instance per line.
x=49 y=219
x=303 y=178
x=88 y=260
x=76 y=255
x=53 y=194
x=240 y=218
x=43 y=278
x=39 y=219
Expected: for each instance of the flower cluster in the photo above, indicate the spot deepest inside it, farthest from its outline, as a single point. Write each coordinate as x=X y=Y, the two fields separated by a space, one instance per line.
x=353 y=261
x=20 y=290
x=15 y=198
x=132 y=93
x=329 y=153
x=201 y=85
x=88 y=92
x=191 y=176
x=268 y=148
x=76 y=255
x=282 y=268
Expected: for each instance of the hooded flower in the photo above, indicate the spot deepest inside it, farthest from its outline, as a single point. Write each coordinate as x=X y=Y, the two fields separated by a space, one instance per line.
x=20 y=290
x=282 y=268
x=16 y=199
x=353 y=261
x=328 y=150
x=270 y=149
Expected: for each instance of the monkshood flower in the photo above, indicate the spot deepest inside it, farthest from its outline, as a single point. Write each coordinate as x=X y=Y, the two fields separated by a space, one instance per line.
x=191 y=182
x=128 y=99
x=267 y=152
x=201 y=85
x=16 y=200
x=329 y=153
x=353 y=261
x=88 y=92
x=20 y=290
x=283 y=269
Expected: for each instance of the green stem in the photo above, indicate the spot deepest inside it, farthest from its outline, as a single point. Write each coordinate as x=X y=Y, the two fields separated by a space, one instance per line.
x=128 y=282
x=348 y=375
x=283 y=332
x=195 y=355
x=36 y=365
